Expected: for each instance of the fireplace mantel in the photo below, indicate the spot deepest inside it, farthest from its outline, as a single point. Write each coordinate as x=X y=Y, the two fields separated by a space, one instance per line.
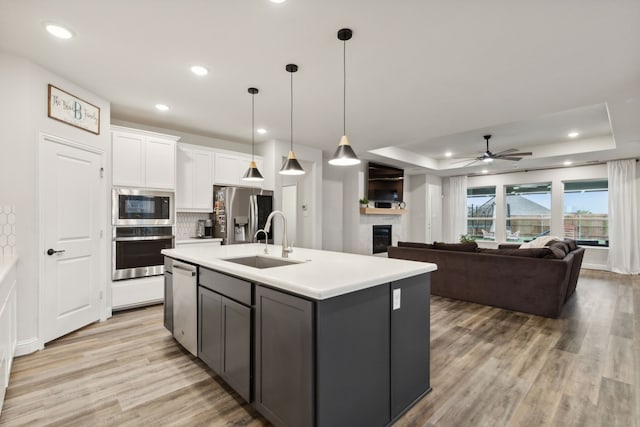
x=382 y=211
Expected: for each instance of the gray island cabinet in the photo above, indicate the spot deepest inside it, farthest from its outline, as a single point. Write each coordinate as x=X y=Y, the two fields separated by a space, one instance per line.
x=358 y=358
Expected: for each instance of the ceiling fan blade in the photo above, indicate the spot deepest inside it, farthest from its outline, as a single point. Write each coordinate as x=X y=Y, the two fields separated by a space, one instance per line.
x=463 y=159
x=515 y=159
x=510 y=150
x=528 y=153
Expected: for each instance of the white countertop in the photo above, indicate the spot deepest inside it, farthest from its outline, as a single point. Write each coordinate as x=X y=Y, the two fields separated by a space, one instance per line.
x=6 y=263
x=323 y=275
x=191 y=240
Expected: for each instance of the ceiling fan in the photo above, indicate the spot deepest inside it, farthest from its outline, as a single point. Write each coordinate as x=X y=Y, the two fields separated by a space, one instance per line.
x=487 y=157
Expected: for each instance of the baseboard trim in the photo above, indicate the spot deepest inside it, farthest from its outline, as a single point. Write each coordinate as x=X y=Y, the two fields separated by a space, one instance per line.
x=28 y=346
x=595 y=267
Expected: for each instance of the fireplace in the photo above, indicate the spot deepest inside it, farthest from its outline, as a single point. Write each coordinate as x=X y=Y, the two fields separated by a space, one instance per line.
x=381 y=238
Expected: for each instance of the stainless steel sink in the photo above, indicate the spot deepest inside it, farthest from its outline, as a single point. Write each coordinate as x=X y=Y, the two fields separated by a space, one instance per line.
x=258 y=261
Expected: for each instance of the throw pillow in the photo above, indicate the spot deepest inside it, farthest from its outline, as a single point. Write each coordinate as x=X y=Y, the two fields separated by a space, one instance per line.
x=539 y=242
x=559 y=248
x=572 y=244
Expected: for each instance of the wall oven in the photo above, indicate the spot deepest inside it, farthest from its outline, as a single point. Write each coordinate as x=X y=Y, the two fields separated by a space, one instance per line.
x=136 y=251
x=141 y=207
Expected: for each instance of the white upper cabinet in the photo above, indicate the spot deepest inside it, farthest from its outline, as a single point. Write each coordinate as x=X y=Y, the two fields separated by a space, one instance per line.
x=194 y=192
x=143 y=159
x=230 y=167
x=128 y=159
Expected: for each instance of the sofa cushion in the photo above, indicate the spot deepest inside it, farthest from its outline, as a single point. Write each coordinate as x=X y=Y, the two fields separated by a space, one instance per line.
x=461 y=247
x=531 y=252
x=415 y=245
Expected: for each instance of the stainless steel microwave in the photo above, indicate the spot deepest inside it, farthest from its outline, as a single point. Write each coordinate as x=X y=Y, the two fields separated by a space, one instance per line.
x=142 y=207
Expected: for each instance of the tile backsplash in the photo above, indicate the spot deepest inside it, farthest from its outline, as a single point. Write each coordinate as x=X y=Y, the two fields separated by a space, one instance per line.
x=8 y=231
x=186 y=223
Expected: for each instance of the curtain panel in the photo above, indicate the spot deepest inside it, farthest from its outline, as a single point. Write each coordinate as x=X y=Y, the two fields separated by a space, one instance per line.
x=624 y=232
x=457 y=207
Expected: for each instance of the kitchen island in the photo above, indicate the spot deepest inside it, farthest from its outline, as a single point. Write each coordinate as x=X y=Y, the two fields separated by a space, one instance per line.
x=326 y=339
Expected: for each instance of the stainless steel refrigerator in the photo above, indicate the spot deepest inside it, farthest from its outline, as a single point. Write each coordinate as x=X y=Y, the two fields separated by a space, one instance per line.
x=238 y=212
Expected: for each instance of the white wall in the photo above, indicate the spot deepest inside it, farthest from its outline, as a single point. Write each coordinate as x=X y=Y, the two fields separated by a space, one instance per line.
x=332 y=197
x=23 y=109
x=417 y=188
x=594 y=257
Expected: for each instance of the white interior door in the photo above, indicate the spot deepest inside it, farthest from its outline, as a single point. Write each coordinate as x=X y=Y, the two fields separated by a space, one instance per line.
x=434 y=213
x=71 y=208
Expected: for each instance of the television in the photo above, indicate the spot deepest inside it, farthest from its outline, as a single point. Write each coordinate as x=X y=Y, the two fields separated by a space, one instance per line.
x=384 y=183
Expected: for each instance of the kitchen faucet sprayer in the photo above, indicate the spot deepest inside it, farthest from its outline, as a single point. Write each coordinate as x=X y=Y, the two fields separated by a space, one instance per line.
x=266 y=239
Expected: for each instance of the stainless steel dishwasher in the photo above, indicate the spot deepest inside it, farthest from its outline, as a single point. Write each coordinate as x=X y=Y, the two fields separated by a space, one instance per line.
x=185 y=312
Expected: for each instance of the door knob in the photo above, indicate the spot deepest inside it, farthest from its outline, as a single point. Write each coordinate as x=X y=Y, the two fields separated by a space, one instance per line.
x=53 y=251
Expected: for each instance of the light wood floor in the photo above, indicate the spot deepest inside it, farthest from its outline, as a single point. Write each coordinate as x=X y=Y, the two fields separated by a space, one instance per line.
x=490 y=367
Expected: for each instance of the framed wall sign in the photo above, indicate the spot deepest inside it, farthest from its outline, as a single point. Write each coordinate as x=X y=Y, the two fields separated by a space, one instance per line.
x=72 y=110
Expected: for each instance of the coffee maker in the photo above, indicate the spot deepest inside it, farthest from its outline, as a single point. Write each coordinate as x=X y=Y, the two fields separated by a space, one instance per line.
x=204 y=229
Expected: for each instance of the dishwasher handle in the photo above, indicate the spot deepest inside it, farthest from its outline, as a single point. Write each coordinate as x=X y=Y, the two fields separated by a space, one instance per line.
x=185 y=267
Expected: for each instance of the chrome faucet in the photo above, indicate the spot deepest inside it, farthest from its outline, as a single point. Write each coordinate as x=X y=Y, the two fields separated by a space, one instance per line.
x=266 y=239
x=286 y=249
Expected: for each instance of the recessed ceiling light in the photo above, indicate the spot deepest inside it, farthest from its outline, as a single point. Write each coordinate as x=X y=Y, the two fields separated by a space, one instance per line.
x=485 y=171
x=448 y=154
x=162 y=107
x=568 y=163
x=277 y=1
x=58 y=31
x=199 y=70
x=261 y=131
x=573 y=134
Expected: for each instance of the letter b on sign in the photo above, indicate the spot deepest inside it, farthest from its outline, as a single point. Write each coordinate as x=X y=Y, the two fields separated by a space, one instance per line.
x=77 y=110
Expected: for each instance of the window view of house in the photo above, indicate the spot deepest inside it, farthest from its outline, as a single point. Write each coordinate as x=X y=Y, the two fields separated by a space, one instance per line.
x=586 y=217
x=481 y=202
x=528 y=211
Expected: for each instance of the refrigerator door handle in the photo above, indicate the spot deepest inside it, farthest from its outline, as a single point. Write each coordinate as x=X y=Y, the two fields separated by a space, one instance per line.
x=253 y=216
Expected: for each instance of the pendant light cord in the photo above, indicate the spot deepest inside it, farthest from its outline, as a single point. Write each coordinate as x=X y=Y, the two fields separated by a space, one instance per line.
x=253 y=109
x=344 y=87
x=291 y=124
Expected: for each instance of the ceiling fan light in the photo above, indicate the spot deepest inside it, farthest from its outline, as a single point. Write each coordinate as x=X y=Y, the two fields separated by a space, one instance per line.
x=291 y=166
x=487 y=160
x=344 y=155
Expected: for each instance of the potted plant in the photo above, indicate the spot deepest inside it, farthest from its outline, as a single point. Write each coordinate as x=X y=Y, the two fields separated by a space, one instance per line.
x=364 y=202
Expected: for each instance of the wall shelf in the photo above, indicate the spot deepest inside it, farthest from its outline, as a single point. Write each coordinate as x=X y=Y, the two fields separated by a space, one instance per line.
x=382 y=211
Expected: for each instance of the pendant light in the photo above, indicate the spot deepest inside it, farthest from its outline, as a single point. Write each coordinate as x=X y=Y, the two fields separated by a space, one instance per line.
x=344 y=155
x=252 y=174
x=291 y=166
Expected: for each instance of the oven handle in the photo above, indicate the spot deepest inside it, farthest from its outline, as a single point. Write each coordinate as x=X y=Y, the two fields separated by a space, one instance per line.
x=133 y=239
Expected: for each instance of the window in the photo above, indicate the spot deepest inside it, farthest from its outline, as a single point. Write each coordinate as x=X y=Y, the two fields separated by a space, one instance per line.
x=481 y=203
x=586 y=217
x=528 y=211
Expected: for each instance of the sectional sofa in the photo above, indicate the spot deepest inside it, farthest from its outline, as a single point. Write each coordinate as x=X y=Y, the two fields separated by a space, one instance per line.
x=538 y=280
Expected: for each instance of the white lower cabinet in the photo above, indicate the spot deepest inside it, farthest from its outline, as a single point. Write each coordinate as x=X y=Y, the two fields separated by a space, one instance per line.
x=8 y=326
x=137 y=292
